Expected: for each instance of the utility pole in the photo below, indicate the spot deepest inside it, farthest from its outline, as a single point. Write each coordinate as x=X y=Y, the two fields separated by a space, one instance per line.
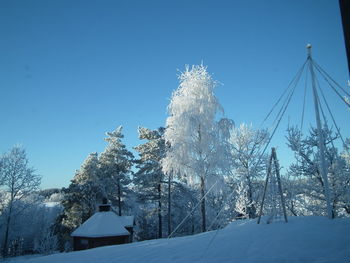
x=321 y=141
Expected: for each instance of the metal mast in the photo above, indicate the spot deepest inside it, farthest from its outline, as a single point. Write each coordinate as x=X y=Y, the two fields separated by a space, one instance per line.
x=321 y=141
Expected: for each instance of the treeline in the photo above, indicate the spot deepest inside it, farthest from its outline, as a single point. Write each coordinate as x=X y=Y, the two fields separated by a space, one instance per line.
x=200 y=167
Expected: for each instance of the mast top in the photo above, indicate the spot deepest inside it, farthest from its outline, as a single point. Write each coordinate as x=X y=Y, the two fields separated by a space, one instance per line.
x=309 y=47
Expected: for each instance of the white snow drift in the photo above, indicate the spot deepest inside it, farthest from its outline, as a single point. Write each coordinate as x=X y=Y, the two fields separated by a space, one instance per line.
x=303 y=239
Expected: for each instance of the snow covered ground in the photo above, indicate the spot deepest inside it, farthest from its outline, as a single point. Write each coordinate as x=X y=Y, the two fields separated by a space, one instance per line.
x=303 y=239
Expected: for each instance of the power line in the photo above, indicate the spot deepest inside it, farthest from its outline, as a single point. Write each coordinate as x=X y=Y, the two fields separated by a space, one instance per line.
x=194 y=208
x=333 y=119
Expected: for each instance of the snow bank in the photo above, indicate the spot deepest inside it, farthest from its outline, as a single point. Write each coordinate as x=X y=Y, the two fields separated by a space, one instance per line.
x=303 y=239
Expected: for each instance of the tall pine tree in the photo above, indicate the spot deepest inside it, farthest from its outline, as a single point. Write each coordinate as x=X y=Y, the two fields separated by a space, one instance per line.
x=149 y=178
x=87 y=184
x=80 y=199
x=115 y=165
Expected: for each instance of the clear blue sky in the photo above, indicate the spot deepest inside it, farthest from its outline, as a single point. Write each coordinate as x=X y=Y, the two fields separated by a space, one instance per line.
x=71 y=70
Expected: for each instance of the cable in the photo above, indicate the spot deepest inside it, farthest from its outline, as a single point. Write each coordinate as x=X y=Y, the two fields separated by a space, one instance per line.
x=279 y=117
x=302 y=114
x=304 y=99
x=337 y=92
x=325 y=73
x=333 y=119
x=220 y=211
x=325 y=122
x=283 y=110
x=195 y=207
x=284 y=92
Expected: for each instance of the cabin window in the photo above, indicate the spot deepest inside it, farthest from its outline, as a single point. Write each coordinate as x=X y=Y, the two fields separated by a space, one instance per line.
x=84 y=242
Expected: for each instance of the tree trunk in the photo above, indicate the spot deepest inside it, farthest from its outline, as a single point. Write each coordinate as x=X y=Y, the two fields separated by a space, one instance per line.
x=334 y=205
x=169 y=206
x=292 y=209
x=251 y=209
x=347 y=209
x=204 y=225
x=192 y=227
x=119 y=199
x=160 y=226
x=8 y=221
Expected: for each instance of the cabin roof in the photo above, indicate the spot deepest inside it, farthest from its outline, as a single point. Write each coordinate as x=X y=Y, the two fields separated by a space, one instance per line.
x=103 y=224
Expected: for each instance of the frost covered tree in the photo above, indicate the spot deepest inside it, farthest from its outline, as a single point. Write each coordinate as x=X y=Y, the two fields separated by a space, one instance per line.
x=83 y=194
x=46 y=242
x=243 y=203
x=246 y=145
x=345 y=155
x=149 y=177
x=184 y=199
x=22 y=238
x=195 y=152
x=115 y=164
x=18 y=181
x=306 y=169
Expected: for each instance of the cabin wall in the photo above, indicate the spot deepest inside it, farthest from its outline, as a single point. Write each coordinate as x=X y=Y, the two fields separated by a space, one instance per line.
x=131 y=231
x=81 y=243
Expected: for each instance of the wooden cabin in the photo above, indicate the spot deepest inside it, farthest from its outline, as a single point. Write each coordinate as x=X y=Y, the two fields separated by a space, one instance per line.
x=104 y=228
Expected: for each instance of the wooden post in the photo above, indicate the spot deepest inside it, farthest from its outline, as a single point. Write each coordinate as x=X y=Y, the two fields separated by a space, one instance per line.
x=279 y=183
x=265 y=187
x=169 y=205
x=273 y=158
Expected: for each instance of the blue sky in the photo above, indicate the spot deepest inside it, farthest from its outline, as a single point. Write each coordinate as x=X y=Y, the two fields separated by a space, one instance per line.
x=72 y=70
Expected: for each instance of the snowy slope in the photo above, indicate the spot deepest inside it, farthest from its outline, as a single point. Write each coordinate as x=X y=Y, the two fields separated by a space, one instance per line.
x=303 y=239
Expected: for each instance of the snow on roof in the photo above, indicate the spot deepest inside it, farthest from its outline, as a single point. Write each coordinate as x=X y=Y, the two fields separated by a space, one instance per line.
x=104 y=224
x=127 y=221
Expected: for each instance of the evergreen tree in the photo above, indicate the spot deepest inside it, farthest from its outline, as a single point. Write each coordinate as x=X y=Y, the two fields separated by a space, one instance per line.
x=83 y=194
x=184 y=199
x=88 y=185
x=80 y=198
x=149 y=178
x=115 y=164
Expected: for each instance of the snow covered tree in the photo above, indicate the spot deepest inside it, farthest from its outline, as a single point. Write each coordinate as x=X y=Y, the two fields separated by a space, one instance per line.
x=115 y=164
x=243 y=203
x=246 y=145
x=79 y=200
x=192 y=132
x=184 y=199
x=83 y=194
x=149 y=178
x=47 y=242
x=306 y=169
x=345 y=197
x=19 y=181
